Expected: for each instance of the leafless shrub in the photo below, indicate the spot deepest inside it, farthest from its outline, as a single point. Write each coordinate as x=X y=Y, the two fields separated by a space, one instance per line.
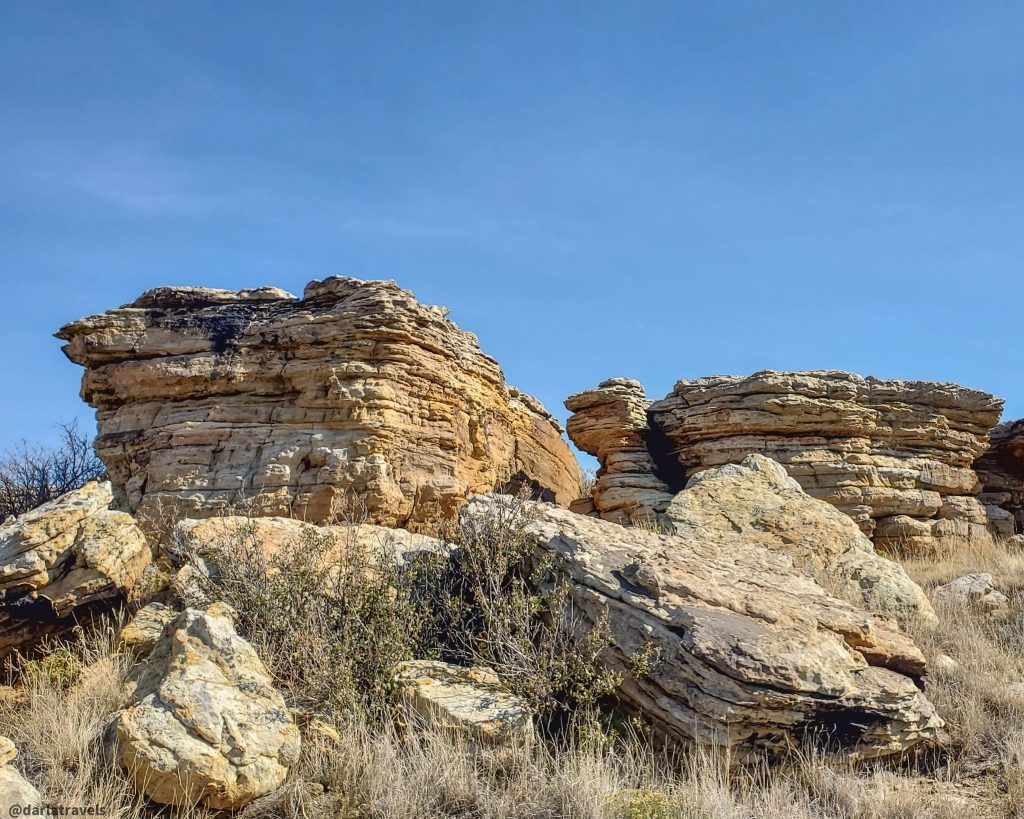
x=32 y=475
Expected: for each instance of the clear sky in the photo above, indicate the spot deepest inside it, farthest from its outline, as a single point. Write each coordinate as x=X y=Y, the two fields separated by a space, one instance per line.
x=659 y=190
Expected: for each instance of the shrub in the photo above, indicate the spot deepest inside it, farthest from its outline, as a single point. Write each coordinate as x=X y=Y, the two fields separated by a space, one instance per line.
x=31 y=476
x=495 y=602
x=329 y=616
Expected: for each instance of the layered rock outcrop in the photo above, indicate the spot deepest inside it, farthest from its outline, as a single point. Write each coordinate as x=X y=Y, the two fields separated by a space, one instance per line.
x=205 y=724
x=744 y=649
x=63 y=561
x=208 y=398
x=1001 y=470
x=896 y=456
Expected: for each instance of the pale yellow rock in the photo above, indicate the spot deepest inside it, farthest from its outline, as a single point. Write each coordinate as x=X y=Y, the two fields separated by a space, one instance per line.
x=283 y=406
x=63 y=560
x=205 y=722
x=16 y=793
x=757 y=502
x=471 y=701
x=750 y=651
x=143 y=631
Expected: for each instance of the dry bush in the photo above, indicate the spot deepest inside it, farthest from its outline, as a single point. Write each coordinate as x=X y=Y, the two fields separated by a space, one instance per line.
x=496 y=602
x=329 y=617
x=31 y=476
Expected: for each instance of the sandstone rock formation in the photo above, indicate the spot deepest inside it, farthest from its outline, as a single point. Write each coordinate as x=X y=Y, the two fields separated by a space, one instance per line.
x=1001 y=470
x=758 y=502
x=610 y=422
x=749 y=651
x=16 y=793
x=470 y=701
x=64 y=560
x=205 y=723
x=208 y=398
x=896 y=456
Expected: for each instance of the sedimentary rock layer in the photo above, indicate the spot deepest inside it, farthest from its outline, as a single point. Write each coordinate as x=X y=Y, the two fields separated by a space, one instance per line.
x=610 y=422
x=896 y=456
x=1001 y=470
x=64 y=560
x=741 y=647
x=210 y=398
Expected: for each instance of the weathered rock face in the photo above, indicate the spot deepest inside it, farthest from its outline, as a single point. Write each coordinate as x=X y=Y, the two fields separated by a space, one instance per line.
x=747 y=650
x=1001 y=470
x=208 y=397
x=758 y=502
x=470 y=701
x=205 y=723
x=896 y=456
x=63 y=560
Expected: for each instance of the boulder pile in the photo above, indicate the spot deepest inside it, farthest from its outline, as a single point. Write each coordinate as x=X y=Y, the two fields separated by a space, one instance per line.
x=209 y=399
x=896 y=456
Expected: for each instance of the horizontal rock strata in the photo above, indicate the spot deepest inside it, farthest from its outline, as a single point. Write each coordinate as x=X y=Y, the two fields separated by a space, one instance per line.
x=742 y=648
x=1001 y=470
x=610 y=422
x=213 y=398
x=896 y=456
x=63 y=561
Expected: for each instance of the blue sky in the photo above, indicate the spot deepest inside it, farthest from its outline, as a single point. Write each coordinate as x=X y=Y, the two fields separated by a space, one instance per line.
x=659 y=190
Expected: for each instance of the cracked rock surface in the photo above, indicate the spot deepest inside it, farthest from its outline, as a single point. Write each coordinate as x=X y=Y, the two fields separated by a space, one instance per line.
x=205 y=722
x=750 y=651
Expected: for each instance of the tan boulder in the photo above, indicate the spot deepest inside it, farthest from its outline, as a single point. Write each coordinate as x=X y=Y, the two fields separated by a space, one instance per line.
x=16 y=793
x=470 y=701
x=64 y=560
x=205 y=723
x=141 y=634
x=210 y=399
x=757 y=502
x=976 y=591
x=748 y=650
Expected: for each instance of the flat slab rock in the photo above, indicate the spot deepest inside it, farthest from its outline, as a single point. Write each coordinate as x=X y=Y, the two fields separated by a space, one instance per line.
x=470 y=701
x=748 y=650
x=66 y=558
x=1001 y=470
x=258 y=400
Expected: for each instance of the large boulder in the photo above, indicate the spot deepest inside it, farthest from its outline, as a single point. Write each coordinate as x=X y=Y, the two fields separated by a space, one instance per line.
x=757 y=501
x=1001 y=470
x=896 y=456
x=17 y=795
x=742 y=647
x=65 y=560
x=205 y=723
x=212 y=398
